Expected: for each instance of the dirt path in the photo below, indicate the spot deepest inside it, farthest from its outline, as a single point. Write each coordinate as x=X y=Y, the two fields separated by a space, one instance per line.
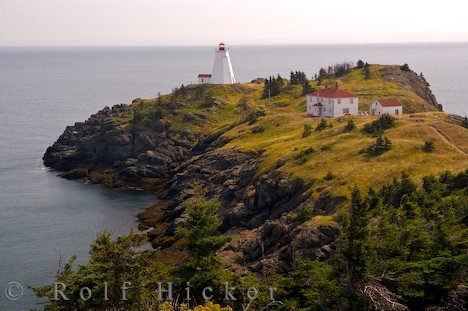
x=446 y=140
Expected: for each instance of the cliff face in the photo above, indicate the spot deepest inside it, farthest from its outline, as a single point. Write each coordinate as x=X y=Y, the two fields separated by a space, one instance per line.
x=245 y=151
x=170 y=162
x=410 y=80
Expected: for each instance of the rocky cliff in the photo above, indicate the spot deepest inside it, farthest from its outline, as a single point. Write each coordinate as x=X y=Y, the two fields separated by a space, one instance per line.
x=247 y=152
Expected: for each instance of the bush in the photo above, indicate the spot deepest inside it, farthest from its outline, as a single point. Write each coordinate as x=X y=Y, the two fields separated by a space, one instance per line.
x=253 y=117
x=258 y=129
x=377 y=127
x=360 y=64
x=465 y=122
x=307 y=130
x=329 y=176
x=350 y=126
x=304 y=155
x=322 y=125
x=428 y=146
x=381 y=145
x=405 y=68
x=304 y=214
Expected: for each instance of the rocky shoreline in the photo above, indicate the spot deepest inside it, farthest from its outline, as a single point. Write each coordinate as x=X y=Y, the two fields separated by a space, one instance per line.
x=259 y=207
x=169 y=163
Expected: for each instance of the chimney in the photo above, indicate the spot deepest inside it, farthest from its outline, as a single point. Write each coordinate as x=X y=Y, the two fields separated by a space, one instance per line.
x=336 y=85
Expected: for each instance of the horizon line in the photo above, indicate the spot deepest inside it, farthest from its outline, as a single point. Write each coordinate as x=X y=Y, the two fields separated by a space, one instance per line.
x=241 y=44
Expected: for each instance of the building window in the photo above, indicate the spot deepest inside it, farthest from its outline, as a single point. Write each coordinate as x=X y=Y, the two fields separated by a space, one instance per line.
x=345 y=110
x=339 y=101
x=351 y=101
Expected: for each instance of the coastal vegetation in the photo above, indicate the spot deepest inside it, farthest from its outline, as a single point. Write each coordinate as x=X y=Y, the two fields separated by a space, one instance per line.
x=318 y=208
x=401 y=247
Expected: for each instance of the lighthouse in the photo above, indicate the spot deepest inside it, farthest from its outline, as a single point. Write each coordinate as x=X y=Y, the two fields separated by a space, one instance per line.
x=222 y=72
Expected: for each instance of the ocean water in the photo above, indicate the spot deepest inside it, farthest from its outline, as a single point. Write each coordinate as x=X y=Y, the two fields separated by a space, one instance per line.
x=42 y=90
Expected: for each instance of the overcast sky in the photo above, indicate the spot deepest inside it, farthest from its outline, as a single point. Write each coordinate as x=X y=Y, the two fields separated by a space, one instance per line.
x=203 y=22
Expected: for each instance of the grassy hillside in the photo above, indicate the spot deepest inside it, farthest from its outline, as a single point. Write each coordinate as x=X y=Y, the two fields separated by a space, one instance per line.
x=336 y=164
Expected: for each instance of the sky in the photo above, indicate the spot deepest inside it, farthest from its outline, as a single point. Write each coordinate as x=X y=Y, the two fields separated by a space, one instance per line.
x=237 y=22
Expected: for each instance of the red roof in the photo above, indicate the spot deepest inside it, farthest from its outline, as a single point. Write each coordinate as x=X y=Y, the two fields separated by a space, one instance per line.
x=332 y=93
x=204 y=75
x=389 y=102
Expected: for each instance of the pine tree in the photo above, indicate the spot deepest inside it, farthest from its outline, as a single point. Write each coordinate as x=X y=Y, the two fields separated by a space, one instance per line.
x=350 y=126
x=355 y=247
x=306 y=87
x=202 y=266
x=307 y=130
x=366 y=71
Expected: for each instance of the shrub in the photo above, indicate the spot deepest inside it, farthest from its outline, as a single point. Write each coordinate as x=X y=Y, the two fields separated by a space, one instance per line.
x=322 y=125
x=350 y=126
x=253 y=117
x=377 y=127
x=325 y=148
x=360 y=64
x=302 y=156
x=329 y=176
x=405 y=67
x=307 y=130
x=428 y=146
x=465 y=122
x=381 y=145
x=258 y=129
x=304 y=214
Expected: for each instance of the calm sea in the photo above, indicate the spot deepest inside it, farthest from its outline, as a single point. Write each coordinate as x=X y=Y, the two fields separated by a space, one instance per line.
x=42 y=90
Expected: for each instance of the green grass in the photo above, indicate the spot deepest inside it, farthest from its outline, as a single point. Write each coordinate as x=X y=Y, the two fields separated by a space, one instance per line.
x=283 y=124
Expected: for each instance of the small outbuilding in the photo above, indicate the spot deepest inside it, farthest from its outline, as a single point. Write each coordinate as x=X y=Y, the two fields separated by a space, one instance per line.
x=204 y=78
x=389 y=106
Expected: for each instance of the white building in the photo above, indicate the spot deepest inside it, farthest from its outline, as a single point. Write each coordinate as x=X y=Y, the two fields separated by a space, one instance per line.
x=222 y=72
x=332 y=102
x=204 y=78
x=382 y=106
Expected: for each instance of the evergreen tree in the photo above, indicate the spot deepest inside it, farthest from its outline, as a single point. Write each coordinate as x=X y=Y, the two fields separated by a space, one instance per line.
x=293 y=78
x=202 y=266
x=306 y=87
x=355 y=248
x=272 y=86
x=367 y=71
x=307 y=130
x=350 y=126
x=323 y=124
x=381 y=145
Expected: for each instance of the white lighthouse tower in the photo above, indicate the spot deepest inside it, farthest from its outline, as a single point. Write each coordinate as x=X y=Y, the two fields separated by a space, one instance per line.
x=222 y=72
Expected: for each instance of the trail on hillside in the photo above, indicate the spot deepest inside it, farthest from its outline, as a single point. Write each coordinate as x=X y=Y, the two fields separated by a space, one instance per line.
x=446 y=139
